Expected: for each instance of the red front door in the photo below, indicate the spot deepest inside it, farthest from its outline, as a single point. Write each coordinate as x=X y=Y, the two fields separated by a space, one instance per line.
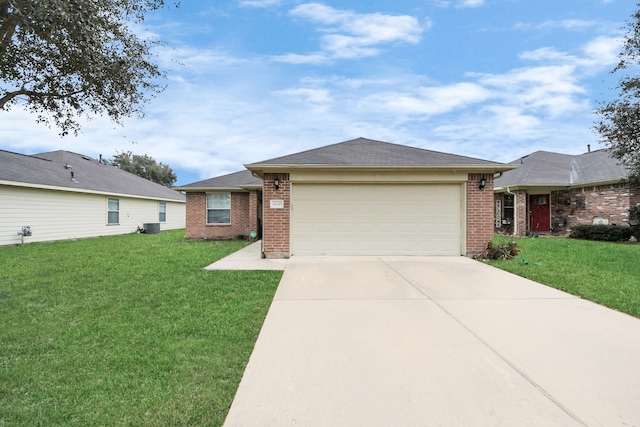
x=540 y=213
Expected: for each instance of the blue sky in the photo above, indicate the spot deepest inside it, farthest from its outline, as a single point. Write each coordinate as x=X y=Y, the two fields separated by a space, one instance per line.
x=249 y=80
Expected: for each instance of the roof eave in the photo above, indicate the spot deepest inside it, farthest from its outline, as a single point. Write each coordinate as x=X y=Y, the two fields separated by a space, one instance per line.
x=600 y=182
x=251 y=187
x=205 y=189
x=524 y=186
x=87 y=191
x=494 y=167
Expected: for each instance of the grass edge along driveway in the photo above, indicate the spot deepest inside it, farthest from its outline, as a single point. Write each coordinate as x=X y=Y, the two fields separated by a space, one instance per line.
x=603 y=272
x=125 y=330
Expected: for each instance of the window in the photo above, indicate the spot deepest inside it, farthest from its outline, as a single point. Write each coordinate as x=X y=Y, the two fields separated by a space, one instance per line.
x=509 y=208
x=162 y=209
x=219 y=208
x=113 y=211
x=540 y=200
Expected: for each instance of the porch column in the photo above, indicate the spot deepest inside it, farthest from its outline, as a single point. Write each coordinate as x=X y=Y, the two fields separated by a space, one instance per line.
x=521 y=214
x=253 y=211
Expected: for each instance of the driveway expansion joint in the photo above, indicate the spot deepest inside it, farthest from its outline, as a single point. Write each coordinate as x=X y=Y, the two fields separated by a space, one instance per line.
x=512 y=365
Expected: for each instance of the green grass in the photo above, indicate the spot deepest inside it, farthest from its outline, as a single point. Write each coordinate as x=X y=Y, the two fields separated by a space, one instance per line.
x=125 y=330
x=603 y=272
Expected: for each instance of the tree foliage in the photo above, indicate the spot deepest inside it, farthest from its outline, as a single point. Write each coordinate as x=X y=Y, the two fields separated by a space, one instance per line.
x=619 y=126
x=65 y=59
x=146 y=167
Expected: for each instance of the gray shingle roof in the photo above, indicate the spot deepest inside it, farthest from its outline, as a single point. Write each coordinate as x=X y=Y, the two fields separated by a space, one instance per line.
x=367 y=152
x=54 y=169
x=544 y=168
x=233 y=181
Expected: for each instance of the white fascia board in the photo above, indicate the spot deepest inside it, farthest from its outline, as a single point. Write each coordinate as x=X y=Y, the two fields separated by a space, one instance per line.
x=86 y=191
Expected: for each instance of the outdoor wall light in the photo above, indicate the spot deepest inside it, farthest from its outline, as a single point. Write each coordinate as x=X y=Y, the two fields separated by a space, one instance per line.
x=483 y=182
x=276 y=183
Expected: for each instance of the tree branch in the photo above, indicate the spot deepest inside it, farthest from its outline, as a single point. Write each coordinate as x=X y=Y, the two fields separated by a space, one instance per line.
x=8 y=26
x=32 y=94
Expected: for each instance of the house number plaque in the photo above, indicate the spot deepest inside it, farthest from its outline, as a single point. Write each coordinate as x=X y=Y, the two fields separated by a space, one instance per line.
x=276 y=204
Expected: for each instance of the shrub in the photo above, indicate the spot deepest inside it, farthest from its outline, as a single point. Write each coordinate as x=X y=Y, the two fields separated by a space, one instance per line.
x=607 y=233
x=500 y=251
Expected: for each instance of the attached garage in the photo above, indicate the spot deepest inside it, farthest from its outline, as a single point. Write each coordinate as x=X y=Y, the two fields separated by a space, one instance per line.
x=377 y=219
x=366 y=197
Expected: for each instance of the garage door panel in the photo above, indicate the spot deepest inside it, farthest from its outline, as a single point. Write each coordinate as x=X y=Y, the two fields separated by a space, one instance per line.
x=376 y=219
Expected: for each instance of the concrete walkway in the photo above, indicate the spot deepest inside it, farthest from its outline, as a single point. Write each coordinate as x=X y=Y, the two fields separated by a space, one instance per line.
x=435 y=341
x=248 y=258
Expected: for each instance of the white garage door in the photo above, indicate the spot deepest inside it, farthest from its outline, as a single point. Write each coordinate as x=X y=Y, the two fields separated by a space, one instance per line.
x=380 y=219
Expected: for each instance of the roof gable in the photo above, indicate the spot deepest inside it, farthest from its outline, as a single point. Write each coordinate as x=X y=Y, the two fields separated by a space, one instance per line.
x=367 y=152
x=234 y=181
x=544 y=168
x=76 y=172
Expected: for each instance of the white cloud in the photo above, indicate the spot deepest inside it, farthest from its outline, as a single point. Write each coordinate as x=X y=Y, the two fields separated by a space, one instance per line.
x=261 y=3
x=315 y=96
x=427 y=100
x=458 y=3
x=548 y=54
x=349 y=35
x=471 y=3
x=294 y=58
x=603 y=51
x=221 y=111
x=553 y=89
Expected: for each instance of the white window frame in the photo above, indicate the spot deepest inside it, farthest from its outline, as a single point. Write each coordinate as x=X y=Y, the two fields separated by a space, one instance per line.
x=162 y=211
x=218 y=202
x=111 y=211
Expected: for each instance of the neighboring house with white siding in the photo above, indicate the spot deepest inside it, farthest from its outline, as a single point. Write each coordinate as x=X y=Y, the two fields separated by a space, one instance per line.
x=62 y=195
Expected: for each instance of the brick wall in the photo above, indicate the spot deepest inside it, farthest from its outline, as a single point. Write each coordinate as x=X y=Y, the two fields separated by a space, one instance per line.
x=522 y=212
x=480 y=213
x=197 y=227
x=581 y=206
x=276 y=222
x=255 y=212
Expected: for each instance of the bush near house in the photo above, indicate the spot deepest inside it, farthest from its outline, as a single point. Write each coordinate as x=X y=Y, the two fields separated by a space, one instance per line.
x=607 y=233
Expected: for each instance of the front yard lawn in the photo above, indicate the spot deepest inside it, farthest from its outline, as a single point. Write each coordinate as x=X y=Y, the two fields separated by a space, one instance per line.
x=125 y=330
x=603 y=272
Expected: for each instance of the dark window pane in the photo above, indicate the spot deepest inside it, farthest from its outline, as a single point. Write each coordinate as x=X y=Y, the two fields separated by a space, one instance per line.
x=114 y=218
x=219 y=216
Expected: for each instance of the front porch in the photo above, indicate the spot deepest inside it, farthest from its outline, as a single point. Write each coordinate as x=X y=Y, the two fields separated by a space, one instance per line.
x=554 y=211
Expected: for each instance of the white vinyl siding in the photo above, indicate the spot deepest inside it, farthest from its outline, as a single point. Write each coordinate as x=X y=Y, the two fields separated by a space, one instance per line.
x=219 y=208
x=71 y=215
x=380 y=219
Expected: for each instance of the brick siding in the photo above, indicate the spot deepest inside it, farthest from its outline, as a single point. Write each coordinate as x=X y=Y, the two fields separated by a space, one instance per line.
x=276 y=222
x=197 y=227
x=480 y=213
x=580 y=206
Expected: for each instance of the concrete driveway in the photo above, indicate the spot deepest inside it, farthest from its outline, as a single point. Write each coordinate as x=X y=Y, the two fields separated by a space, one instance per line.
x=435 y=341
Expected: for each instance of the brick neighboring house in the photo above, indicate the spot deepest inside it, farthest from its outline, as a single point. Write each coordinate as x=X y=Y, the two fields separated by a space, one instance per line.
x=551 y=192
x=225 y=207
